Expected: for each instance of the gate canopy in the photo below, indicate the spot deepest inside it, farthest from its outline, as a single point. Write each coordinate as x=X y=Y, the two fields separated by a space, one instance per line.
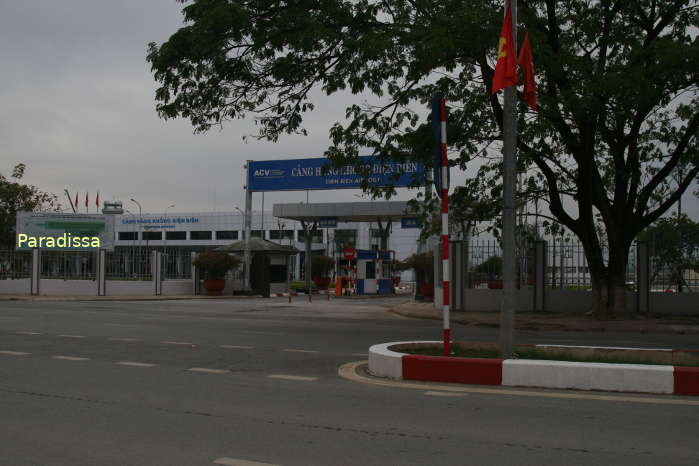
x=345 y=211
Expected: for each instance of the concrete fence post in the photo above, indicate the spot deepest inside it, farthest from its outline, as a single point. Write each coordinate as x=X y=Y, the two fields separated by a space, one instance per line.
x=36 y=269
x=539 y=276
x=642 y=278
x=101 y=272
x=195 y=277
x=157 y=265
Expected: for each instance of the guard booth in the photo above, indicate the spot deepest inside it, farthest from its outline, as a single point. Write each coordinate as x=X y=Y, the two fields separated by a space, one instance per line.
x=374 y=272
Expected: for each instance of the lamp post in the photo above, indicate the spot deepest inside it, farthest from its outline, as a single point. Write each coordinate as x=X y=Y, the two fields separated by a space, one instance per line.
x=140 y=232
x=165 y=238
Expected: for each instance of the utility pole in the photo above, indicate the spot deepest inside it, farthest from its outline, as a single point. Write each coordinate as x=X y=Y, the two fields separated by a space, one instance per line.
x=509 y=219
x=248 y=226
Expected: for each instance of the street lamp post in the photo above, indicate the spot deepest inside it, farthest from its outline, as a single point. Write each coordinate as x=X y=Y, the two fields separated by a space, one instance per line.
x=165 y=238
x=140 y=232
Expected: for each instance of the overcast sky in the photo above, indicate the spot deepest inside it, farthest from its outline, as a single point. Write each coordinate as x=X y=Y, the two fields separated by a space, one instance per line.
x=77 y=106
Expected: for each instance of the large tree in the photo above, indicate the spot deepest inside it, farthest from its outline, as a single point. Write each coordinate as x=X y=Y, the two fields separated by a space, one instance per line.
x=16 y=197
x=618 y=109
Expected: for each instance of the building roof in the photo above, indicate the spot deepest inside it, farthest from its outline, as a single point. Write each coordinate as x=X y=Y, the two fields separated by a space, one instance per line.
x=259 y=245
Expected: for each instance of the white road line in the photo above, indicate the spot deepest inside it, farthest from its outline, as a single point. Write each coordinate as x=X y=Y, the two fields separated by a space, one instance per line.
x=25 y=332
x=300 y=351
x=123 y=339
x=72 y=336
x=182 y=343
x=135 y=364
x=208 y=371
x=236 y=347
x=14 y=353
x=239 y=462
x=70 y=358
x=292 y=377
x=453 y=394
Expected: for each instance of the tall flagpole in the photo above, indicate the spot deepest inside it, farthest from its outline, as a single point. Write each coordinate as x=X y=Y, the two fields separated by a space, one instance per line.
x=509 y=219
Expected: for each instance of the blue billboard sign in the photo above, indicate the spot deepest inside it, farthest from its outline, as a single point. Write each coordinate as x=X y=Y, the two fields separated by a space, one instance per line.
x=330 y=222
x=312 y=174
x=409 y=222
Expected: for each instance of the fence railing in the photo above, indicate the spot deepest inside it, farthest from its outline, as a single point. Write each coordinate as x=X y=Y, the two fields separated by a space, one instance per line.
x=68 y=265
x=15 y=265
x=176 y=265
x=130 y=264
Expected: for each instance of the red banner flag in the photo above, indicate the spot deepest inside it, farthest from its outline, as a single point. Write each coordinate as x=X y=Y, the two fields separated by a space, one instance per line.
x=97 y=201
x=506 y=66
x=526 y=61
x=86 y=199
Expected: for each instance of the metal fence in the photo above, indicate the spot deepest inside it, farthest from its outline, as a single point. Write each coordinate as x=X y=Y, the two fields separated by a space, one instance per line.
x=129 y=264
x=176 y=265
x=677 y=273
x=15 y=264
x=68 y=265
x=485 y=264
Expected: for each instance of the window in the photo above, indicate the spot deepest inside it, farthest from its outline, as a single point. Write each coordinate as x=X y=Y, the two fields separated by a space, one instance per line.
x=370 y=269
x=199 y=235
x=181 y=235
x=277 y=273
x=257 y=234
x=228 y=234
x=152 y=235
x=317 y=236
x=281 y=234
x=345 y=239
x=128 y=235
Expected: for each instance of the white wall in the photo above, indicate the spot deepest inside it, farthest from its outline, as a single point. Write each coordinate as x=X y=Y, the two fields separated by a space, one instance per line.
x=18 y=286
x=130 y=288
x=56 y=287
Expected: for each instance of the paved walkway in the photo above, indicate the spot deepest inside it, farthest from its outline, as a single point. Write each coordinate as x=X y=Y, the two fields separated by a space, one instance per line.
x=557 y=320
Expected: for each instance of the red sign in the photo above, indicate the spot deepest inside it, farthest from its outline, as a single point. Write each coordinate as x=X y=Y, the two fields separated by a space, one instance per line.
x=350 y=253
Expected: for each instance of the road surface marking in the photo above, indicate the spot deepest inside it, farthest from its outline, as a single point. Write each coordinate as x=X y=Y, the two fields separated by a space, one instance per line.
x=72 y=336
x=135 y=364
x=434 y=393
x=182 y=343
x=14 y=353
x=208 y=371
x=349 y=371
x=300 y=351
x=123 y=339
x=70 y=358
x=236 y=347
x=292 y=377
x=25 y=332
x=239 y=462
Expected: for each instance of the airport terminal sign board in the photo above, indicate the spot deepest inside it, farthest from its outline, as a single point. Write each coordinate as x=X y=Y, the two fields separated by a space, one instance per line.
x=309 y=174
x=64 y=228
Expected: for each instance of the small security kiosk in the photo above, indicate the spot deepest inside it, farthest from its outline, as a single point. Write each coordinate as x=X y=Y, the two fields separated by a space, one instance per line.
x=374 y=272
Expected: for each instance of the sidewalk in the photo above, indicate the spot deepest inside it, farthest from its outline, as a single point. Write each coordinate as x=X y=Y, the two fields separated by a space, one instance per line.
x=8 y=297
x=555 y=320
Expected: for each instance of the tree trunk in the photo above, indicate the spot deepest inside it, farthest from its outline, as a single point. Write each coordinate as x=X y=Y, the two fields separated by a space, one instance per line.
x=609 y=281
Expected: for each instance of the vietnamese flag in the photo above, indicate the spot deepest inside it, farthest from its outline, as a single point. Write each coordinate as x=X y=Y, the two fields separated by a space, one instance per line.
x=506 y=66
x=86 y=199
x=526 y=61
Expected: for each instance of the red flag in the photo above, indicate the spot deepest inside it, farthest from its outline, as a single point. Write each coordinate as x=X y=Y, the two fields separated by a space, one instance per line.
x=86 y=199
x=97 y=201
x=526 y=61
x=506 y=66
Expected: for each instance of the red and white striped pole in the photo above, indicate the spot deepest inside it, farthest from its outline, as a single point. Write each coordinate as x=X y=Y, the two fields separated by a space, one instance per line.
x=444 y=165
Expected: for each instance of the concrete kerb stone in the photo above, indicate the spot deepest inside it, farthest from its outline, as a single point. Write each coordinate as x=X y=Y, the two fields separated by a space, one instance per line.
x=386 y=361
x=118 y=298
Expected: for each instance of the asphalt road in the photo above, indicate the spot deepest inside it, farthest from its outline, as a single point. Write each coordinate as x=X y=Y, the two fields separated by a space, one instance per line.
x=224 y=382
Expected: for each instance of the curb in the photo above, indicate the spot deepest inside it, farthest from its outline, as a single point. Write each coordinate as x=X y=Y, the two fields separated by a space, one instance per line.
x=120 y=298
x=640 y=378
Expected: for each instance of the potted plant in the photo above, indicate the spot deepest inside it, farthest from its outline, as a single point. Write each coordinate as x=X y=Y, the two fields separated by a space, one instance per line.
x=492 y=267
x=321 y=267
x=214 y=265
x=398 y=267
x=423 y=264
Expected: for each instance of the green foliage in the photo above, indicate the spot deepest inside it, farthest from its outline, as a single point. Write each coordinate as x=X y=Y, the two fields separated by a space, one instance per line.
x=322 y=265
x=423 y=262
x=674 y=245
x=215 y=264
x=492 y=266
x=400 y=266
x=617 y=83
x=17 y=197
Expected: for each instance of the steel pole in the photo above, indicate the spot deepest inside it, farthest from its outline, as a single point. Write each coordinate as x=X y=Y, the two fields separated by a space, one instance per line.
x=247 y=220
x=509 y=219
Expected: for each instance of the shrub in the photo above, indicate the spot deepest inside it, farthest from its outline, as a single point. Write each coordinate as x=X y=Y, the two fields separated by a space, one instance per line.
x=214 y=264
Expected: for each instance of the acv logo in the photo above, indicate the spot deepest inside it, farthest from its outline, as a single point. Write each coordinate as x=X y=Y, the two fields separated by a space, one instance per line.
x=262 y=172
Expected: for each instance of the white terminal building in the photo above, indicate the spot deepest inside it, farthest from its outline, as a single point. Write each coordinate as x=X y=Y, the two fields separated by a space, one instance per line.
x=199 y=231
